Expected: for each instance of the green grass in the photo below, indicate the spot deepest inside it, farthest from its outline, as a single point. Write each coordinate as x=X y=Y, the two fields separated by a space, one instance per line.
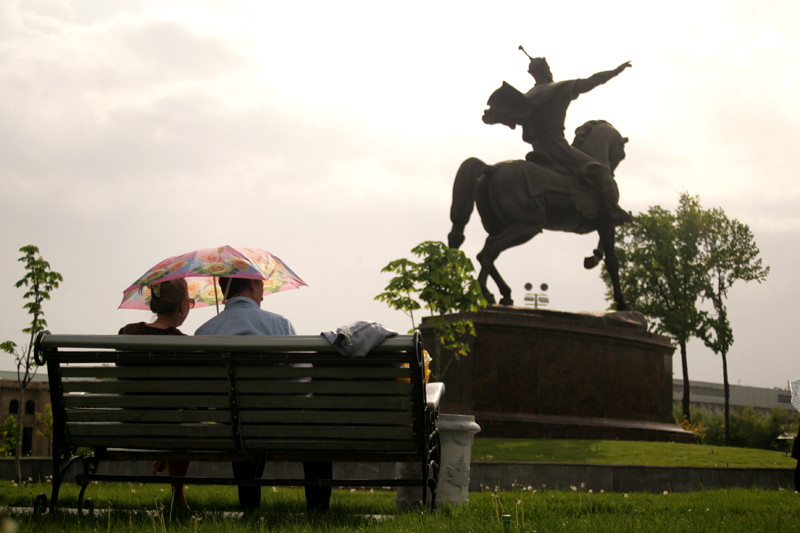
x=625 y=452
x=737 y=510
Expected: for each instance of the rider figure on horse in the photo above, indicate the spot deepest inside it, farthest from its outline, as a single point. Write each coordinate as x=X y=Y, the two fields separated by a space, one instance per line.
x=541 y=112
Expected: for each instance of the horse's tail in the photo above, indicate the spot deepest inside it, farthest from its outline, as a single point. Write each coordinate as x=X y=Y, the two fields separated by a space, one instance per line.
x=594 y=259
x=464 y=198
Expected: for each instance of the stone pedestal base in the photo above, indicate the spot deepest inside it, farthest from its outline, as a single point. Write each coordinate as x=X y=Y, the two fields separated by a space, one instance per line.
x=549 y=374
x=456 y=433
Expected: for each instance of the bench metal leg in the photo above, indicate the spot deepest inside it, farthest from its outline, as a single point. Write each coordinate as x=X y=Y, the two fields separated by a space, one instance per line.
x=40 y=504
x=434 y=462
x=62 y=461
x=90 y=466
x=425 y=471
x=58 y=476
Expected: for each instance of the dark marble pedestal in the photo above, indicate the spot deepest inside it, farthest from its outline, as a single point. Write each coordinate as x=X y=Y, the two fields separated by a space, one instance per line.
x=549 y=374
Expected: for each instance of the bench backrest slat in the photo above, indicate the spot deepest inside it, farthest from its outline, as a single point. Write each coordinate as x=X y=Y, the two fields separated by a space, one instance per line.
x=174 y=416
x=114 y=386
x=148 y=372
x=363 y=418
x=366 y=403
x=320 y=372
x=355 y=433
x=140 y=402
x=188 y=431
x=262 y=387
x=161 y=443
x=305 y=445
x=210 y=344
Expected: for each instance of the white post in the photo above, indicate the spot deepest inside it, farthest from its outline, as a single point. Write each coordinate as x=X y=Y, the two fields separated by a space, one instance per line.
x=456 y=433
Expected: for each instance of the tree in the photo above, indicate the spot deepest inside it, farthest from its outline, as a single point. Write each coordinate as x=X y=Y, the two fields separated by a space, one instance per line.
x=8 y=436
x=46 y=421
x=40 y=281
x=443 y=280
x=733 y=256
x=664 y=271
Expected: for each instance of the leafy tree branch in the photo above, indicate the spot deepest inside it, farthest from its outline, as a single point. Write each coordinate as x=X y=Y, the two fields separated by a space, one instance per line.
x=443 y=281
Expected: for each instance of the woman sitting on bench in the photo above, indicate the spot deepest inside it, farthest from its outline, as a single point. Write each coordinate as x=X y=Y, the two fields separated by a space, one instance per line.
x=171 y=303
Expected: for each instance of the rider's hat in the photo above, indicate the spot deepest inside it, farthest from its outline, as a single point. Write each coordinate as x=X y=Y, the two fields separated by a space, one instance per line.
x=538 y=65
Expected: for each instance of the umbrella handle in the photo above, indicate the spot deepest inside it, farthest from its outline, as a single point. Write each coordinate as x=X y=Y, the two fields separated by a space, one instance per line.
x=216 y=298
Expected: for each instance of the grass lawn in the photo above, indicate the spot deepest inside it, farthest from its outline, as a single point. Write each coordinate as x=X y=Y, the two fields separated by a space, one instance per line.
x=626 y=452
x=283 y=510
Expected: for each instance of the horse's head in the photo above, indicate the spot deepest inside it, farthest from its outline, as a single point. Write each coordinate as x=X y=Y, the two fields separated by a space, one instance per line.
x=602 y=141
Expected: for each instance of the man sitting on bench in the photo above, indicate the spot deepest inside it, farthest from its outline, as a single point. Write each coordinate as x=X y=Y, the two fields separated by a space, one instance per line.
x=243 y=316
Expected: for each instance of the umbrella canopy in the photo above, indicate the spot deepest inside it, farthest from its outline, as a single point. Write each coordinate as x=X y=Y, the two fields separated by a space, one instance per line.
x=202 y=267
x=795 y=388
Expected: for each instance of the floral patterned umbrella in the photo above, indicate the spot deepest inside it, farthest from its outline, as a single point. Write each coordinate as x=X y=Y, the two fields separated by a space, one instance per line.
x=202 y=267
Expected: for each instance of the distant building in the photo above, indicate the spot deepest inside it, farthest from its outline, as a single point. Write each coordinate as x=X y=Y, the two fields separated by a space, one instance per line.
x=710 y=397
x=37 y=395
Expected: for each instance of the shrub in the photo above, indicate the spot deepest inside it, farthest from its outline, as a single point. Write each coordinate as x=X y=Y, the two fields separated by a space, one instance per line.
x=715 y=430
x=748 y=427
x=8 y=436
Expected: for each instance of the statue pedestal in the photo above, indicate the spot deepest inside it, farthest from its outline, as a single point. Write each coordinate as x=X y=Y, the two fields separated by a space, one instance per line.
x=548 y=374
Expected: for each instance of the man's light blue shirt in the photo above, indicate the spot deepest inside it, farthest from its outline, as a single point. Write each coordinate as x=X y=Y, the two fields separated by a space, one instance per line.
x=243 y=316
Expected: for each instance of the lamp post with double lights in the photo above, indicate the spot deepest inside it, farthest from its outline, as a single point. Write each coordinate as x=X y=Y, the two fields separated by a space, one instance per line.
x=536 y=300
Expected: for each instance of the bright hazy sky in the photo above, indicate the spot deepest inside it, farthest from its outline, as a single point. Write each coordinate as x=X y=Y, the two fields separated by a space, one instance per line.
x=329 y=133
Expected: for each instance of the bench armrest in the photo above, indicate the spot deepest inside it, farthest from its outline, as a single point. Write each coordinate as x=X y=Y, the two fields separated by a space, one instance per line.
x=434 y=393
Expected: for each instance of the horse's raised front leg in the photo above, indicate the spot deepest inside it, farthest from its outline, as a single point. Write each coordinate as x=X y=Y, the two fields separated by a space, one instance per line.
x=607 y=241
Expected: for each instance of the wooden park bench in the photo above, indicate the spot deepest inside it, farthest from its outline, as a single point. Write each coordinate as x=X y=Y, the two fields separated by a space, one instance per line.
x=237 y=398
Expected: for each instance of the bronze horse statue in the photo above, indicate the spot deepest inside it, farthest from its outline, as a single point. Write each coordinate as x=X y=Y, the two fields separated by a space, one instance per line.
x=518 y=199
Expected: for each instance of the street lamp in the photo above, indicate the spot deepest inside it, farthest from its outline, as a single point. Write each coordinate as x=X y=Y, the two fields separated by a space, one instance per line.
x=535 y=299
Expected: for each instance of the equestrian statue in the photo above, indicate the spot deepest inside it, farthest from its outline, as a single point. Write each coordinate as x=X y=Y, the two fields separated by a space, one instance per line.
x=558 y=187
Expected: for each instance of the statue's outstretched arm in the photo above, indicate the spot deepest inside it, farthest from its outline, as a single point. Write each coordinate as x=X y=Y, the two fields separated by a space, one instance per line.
x=587 y=84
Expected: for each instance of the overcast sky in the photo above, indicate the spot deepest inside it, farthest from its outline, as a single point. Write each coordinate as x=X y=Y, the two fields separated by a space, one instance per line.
x=329 y=133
